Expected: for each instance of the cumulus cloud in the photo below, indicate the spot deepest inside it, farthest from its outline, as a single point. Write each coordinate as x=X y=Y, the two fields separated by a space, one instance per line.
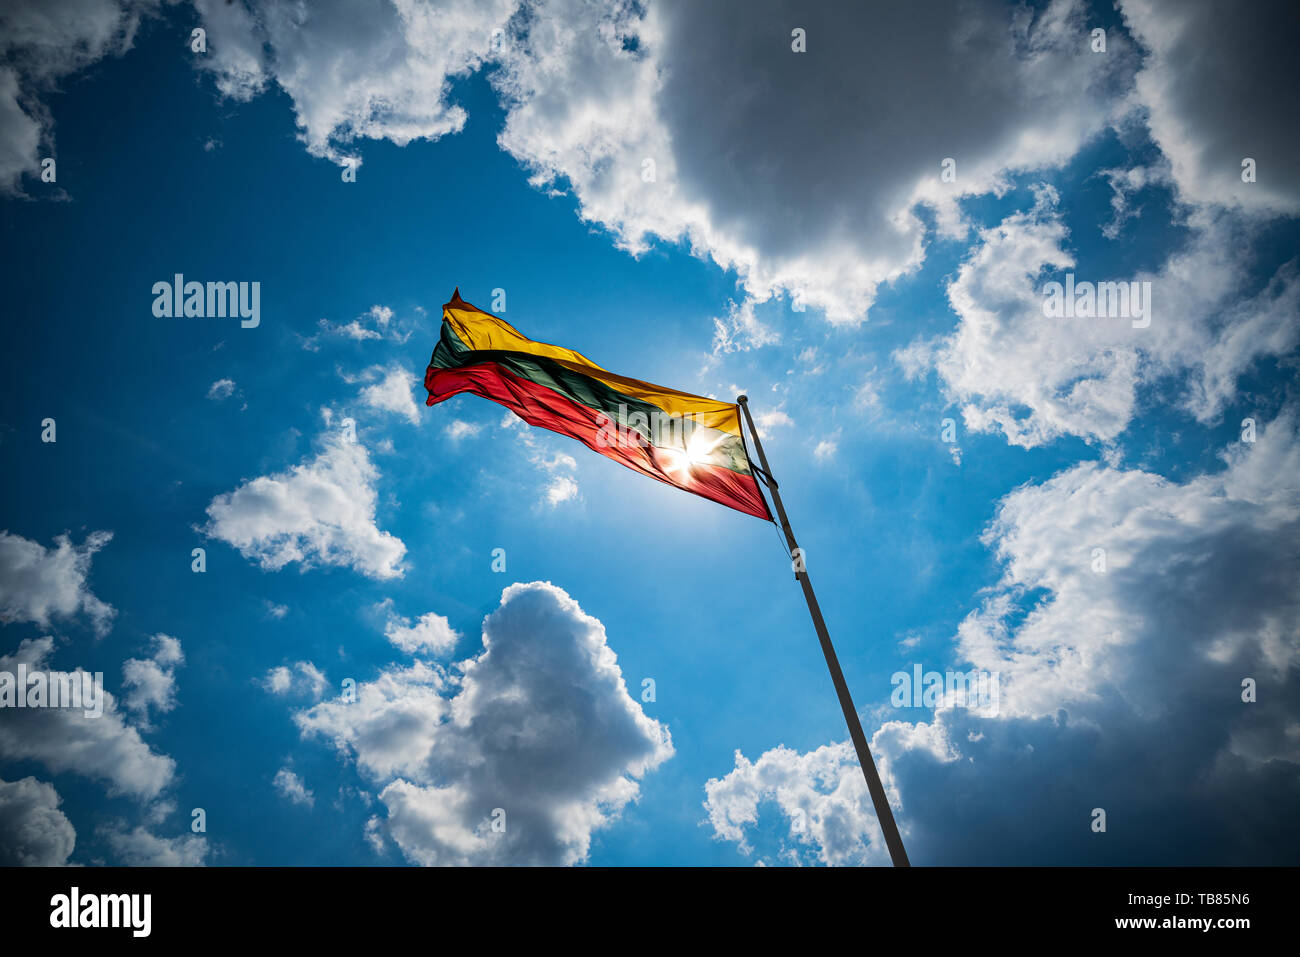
x=1193 y=582
x=368 y=70
x=431 y=634
x=393 y=394
x=1034 y=378
x=38 y=584
x=41 y=43
x=292 y=788
x=70 y=740
x=151 y=682
x=302 y=678
x=821 y=794
x=33 y=831
x=617 y=103
x=1138 y=661
x=1209 y=86
x=140 y=847
x=594 y=92
x=321 y=512
x=539 y=725
x=390 y=391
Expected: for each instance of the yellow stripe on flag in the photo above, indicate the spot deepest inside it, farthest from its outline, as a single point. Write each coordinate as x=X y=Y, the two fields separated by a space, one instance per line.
x=482 y=331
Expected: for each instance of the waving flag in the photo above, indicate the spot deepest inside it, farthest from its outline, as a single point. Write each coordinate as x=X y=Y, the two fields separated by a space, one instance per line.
x=687 y=441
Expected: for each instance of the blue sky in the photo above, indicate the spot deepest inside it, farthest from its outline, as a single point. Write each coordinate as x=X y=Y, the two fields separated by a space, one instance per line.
x=858 y=299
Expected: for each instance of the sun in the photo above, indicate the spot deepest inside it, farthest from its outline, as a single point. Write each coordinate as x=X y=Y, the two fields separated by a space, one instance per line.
x=699 y=450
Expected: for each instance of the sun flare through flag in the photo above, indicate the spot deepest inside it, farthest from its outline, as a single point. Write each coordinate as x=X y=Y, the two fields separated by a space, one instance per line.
x=684 y=440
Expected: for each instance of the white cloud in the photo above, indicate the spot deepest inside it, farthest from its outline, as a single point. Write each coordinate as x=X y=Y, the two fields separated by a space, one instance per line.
x=741 y=330
x=825 y=450
x=139 y=847
x=302 y=679
x=1035 y=378
x=822 y=796
x=866 y=398
x=1125 y=183
x=69 y=740
x=556 y=467
x=460 y=429
x=392 y=393
x=321 y=512
x=221 y=390
x=291 y=786
x=368 y=70
x=275 y=611
x=38 y=584
x=561 y=488
x=33 y=831
x=374 y=833
x=1193 y=574
x=767 y=421
x=431 y=634
x=376 y=324
x=151 y=682
x=539 y=724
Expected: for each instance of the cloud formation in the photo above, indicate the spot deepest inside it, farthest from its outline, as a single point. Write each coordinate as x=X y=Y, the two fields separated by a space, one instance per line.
x=431 y=634
x=821 y=796
x=614 y=102
x=537 y=732
x=1036 y=378
x=151 y=682
x=41 y=43
x=140 y=847
x=1135 y=661
x=390 y=391
x=321 y=512
x=1209 y=86
x=291 y=787
x=64 y=740
x=354 y=70
x=595 y=92
x=301 y=679
x=33 y=831
x=39 y=584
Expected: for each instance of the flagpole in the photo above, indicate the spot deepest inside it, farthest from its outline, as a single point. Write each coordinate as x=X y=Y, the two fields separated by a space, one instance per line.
x=883 y=812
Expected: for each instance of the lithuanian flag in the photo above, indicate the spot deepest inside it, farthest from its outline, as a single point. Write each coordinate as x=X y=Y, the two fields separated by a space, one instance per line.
x=687 y=441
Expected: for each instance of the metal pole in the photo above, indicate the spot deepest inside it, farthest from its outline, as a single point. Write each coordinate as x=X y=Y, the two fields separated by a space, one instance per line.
x=883 y=812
